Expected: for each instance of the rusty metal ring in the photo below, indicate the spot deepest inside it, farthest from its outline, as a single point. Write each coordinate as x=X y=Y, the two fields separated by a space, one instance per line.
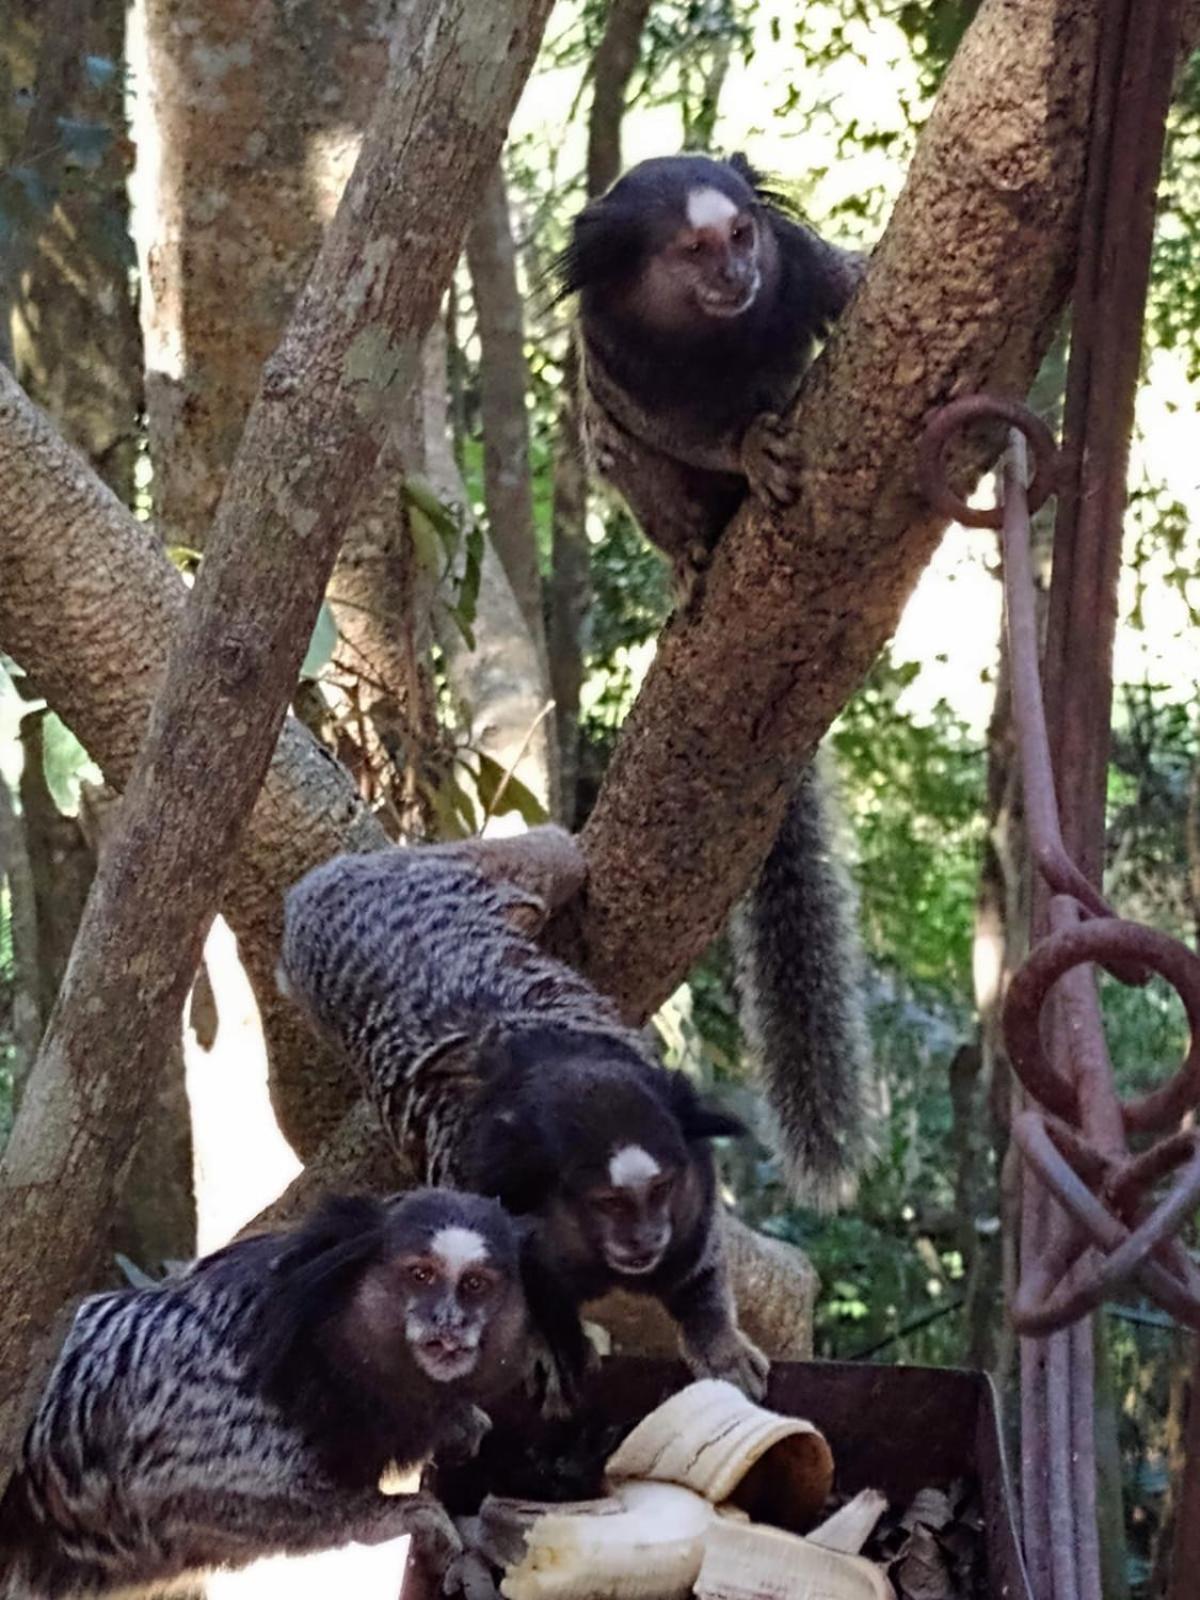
x=1106 y=940
x=1044 y=1304
x=948 y=420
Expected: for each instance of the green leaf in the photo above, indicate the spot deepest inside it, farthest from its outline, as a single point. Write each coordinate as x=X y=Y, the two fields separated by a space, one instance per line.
x=322 y=644
x=425 y=540
x=513 y=794
x=441 y=518
x=468 y=589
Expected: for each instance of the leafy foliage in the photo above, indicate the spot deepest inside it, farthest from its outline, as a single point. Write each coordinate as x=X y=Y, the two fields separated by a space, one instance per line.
x=831 y=96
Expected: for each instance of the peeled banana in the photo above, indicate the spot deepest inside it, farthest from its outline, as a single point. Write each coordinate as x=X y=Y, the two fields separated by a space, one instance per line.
x=691 y=1483
x=645 y=1543
x=849 y=1528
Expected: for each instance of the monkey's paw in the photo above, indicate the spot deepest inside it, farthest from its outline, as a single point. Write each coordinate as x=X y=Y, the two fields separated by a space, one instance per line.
x=736 y=1359
x=435 y=1539
x=769 y=463
x=470 y=1576
x=462 y=1434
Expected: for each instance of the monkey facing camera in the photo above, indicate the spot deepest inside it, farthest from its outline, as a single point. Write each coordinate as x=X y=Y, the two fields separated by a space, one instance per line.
x=265 y=1401
x=499 y=1069
x=700 y=302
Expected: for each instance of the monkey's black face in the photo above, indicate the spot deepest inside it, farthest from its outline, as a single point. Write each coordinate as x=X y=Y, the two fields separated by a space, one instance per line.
x=442 y=1294
x=711 y=265
x=628 y=1217
x=450 y=1295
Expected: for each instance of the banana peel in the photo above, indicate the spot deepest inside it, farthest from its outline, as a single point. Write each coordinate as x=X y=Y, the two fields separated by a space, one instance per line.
x=689 y=1485
x=746 y=1561
x=711 y=1438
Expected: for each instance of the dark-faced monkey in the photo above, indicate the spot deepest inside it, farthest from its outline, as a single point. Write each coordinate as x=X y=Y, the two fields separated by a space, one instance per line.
x=700 y=301
x=264 y=1401
x=498 y=1068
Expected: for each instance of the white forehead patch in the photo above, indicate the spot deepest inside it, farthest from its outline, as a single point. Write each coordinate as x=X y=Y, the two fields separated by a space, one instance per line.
x=631 y=1166
x=458 y=1248
x=709 y=208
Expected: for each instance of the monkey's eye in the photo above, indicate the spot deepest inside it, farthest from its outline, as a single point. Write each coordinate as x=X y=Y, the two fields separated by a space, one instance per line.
x=696 y=246
x=420 y=1273
x=473 y=1284
x=739 y=232
x=661 y=1188
x=612 y=1205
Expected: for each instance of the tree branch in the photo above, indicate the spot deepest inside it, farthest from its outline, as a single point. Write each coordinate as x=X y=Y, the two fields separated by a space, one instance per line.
x=794 y=611
x=314 y=432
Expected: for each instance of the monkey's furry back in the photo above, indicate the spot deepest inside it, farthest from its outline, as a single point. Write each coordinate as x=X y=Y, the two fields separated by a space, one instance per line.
x=412 y=960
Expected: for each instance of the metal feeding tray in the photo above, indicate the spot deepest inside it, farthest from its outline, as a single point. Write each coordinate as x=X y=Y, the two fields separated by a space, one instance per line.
x=897 y=1429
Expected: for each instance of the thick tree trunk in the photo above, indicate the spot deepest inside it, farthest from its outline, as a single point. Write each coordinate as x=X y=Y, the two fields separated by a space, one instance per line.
x=795 y=609
x=254 y=113
x=75 y=340
x=313 y=432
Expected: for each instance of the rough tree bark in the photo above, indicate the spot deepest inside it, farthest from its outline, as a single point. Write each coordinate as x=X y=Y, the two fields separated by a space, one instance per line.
x=570 y=578
x=455 y=76
x=258 y=114
x=783 y=633
x=255 y=113
x=503 y=382
x=795 y=609
x=75 y=340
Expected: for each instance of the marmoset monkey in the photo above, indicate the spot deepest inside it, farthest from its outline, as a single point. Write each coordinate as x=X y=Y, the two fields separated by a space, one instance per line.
x=254 y=1404
x=700 y=300
x=500 y=1069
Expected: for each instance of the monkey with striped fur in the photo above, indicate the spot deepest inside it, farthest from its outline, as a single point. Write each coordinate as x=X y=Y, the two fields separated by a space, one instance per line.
x=263 y=1401
x=498 y=1068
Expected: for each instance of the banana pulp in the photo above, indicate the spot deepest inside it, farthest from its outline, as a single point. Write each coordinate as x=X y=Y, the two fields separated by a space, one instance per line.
x=689 y=1484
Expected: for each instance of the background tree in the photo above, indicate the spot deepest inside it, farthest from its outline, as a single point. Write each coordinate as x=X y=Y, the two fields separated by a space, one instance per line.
x=426 y=676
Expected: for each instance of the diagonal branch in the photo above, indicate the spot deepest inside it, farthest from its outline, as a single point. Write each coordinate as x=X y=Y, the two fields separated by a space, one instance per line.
x=313 y=434
x=963 y=293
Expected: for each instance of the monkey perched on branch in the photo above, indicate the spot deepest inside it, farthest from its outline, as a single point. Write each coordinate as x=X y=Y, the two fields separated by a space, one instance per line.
x=261 y=1402
x=700 y=302
x=498 y=1068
